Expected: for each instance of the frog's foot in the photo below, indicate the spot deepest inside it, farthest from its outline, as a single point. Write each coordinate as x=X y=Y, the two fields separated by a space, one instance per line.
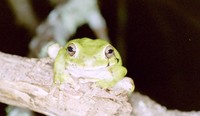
x=60 y=83
x=104 y=84
x=126 y=84
x=74 y=84
x=52 y=90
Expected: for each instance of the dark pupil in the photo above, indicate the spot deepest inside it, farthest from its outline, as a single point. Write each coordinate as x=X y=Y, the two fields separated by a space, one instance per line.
x=70 y=49
x=110 y=51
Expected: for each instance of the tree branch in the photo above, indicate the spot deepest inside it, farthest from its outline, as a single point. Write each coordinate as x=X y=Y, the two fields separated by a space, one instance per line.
x=28 y=83
x=144 y=106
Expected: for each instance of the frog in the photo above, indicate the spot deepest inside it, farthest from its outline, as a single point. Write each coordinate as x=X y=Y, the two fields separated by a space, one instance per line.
x=95 y=60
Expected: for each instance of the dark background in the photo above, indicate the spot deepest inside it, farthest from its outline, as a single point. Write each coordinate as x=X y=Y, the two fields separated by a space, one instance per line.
x=162 y=45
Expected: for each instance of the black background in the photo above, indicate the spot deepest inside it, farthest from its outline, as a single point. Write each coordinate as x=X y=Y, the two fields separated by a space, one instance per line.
x=162 y=44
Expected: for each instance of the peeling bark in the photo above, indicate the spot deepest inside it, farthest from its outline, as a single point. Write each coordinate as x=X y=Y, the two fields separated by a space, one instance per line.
x=144 y=106
x=28 y=82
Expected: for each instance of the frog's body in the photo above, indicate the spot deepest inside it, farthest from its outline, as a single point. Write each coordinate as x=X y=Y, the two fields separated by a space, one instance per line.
x=96 y=60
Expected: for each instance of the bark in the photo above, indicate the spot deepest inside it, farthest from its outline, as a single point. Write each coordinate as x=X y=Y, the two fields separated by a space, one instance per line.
x=28 y=82
x=144 y=106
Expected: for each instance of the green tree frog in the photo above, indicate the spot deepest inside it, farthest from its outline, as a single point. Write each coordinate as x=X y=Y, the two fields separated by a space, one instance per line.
x=96 y=60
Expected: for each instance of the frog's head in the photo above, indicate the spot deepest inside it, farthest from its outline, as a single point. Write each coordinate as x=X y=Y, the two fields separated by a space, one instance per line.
x=91 y=54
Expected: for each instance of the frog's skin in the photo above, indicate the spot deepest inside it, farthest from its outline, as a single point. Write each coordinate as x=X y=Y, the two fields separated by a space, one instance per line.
x=96 y=60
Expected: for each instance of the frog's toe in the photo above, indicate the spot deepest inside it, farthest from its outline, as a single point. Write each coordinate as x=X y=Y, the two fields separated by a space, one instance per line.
x=103 y=84
x=126 y=84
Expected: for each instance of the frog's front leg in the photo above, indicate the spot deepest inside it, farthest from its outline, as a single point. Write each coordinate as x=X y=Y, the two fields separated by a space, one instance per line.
x=117 y=72
x=61 y=75
x=60 y=78
x=63 y=78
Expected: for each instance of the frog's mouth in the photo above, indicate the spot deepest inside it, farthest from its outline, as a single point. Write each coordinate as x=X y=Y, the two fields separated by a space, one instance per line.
x=87 y=67
x=91 y=65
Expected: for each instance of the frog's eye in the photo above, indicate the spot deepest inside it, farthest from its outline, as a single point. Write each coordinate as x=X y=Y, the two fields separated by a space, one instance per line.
x=71 y=49
x=109 y=51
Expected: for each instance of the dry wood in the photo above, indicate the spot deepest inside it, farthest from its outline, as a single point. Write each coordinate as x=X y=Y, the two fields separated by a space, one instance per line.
x=28 y=83
x=144 y=106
